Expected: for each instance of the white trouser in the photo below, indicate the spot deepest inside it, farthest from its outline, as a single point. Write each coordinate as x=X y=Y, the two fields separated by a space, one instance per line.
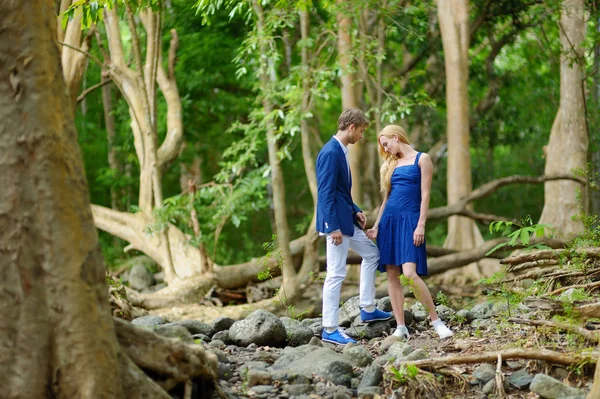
x=336 y=272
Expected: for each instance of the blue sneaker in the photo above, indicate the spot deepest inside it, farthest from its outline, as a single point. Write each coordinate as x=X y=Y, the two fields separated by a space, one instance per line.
x=376 y=315
x=337 y=337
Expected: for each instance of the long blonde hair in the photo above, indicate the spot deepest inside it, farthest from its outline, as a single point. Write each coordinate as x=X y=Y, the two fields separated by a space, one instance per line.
x=389 y=160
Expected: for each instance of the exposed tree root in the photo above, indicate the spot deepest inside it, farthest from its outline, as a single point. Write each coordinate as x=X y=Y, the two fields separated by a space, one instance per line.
x=589 y=335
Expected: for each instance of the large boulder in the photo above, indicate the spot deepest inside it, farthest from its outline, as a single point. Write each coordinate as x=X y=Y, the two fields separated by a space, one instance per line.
x=140 y=278
x=261 y=328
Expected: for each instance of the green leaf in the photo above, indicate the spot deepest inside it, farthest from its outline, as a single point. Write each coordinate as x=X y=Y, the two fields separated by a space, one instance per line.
x=496 y=248
x=524 y=236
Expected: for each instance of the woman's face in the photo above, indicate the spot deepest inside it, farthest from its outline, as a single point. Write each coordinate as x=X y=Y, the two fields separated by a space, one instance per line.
x=390 y=144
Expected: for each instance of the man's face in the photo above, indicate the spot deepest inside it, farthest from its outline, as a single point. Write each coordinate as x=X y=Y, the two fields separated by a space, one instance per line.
x=355 y=133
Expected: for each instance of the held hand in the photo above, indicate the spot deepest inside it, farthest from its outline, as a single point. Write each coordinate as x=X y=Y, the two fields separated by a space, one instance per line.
x=419 y=235
x=362 y=219
x=372 y=233
x=336 y=237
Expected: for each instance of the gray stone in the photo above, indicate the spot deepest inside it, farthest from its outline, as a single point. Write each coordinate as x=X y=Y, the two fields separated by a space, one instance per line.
x=221 y=356
x=298 y=389
x=296 y=333
x=490 y=387
x=549 y=388
x=310 y=321
x=315 y=341
x=224 y=371
x=323 y=362
x=216 y=343
x=358 y=355
x=483 y=310
x=317 y=328
x=348 y=312
x=253 y=365
x=382 y=360
x=465 y=315
x=342 y=393
x=371 y=377
x=416 y=307
x=418 y=354
x=484 y=373
x=369 y=392
x=258 y=377
x=151 y=321
x=193 y=326
x=520 y=379
x=258 y=389
x=354 y=383
x=178 y=332
x=261 y=328
x=444 y=312
x=222 y=336
x=221 y=324
x=420 y=316
x=385 y=304
x=368 y=331
x=483 y=323
x=140 y=277
x=400 y=349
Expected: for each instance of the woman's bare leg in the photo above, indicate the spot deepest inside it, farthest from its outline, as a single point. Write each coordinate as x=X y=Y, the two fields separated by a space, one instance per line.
x=420 y=289
x=395 y=292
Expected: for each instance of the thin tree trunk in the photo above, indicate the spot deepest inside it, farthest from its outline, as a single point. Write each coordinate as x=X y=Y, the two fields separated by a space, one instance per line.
x=113 y=161
x=58 y=330
x=567 y=148
x=349 y=97
x=454 y=26
x=278 y=186
x=595 y=105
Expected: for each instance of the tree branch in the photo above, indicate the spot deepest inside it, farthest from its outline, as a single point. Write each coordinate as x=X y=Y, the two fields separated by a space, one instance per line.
x=92 y=88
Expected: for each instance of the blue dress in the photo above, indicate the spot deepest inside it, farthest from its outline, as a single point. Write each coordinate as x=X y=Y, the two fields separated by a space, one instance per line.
x=399 y=220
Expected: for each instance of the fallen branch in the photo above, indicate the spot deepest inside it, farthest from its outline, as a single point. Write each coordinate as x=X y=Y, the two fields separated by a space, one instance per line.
x=529 y=265
x=546 y=355
x=589 y=335
x=551 y=254
x=562 y=289
x=500 y=378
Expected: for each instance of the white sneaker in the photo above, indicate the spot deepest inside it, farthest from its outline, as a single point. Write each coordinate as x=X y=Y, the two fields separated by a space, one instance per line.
x=442 y=330
x=401 y=332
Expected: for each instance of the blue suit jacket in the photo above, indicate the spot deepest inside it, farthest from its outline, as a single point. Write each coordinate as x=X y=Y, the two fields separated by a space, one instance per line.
x=335 y=209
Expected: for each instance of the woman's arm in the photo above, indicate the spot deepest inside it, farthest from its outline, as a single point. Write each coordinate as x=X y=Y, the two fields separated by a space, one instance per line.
x=372 y=232
x=426 y=176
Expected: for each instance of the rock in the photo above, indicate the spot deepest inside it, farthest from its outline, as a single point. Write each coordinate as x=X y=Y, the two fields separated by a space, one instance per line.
x=221 y=324
x=261 y=328
x=465 y=315
x=420 y=316
x=224 y=371
x=400 y=349
x=148 y=321
x=385 y=304
x=298 y=389
x=484 y=373
x=520 y=379
x=389 y=341
x=259 y=389
x=342 y=393
x=549 y=388
x=408 y=317
x=359 y=355
x=216 y=343
x=140 y=277
x=444 y=312
x=310 y=321
x=315 y=341
x=193 y=326
x=369 y=392
x=258 y=377
x=483 y=310
x=361 y=330
x=296 y=333
x=222 y=336
x=371 y=377
x=483 y=323
x=159 y=277
x=323 y=362
x=418 y=354
x=490 y=387
x=317 y=328
x=348 y=312
x=173 y=331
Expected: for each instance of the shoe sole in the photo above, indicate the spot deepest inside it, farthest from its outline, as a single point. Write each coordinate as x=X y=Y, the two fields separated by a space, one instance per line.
x=374 y=320
x=335 y=342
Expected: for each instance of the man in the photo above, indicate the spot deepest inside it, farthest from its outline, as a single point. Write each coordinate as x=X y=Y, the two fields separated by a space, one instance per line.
x=342 y=221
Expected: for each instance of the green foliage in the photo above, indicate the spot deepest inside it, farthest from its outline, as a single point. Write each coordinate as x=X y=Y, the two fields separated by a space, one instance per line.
x=521 y=236
x=405 y=373
x=500 y=289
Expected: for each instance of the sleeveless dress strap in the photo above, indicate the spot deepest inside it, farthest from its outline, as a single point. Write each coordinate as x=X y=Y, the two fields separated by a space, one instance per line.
x=417 y=158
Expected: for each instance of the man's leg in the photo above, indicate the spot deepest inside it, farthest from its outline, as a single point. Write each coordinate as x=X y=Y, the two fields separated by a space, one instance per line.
x=361 y=244
x=336 y=272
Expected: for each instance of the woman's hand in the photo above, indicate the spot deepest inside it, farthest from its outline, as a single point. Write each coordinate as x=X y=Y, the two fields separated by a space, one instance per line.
x=372 y=233
x=419 y=235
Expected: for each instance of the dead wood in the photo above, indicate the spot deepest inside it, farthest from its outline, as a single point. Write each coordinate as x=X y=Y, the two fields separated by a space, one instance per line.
x=546 y=355
x=589 y=335
x=551 y=254
x=500 y=378
x=588 y=286
x=529 y=265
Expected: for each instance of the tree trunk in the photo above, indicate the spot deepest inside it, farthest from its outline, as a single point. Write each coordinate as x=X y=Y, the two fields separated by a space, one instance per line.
x=278 y=186
x=349 y=95
x=58 y=330
x=567 y=148
x=310 y=260
x=454 y=26
x=111 y=134
x=595 y=105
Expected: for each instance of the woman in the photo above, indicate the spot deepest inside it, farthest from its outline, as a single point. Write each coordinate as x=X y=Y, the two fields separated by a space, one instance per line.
x=400 y=227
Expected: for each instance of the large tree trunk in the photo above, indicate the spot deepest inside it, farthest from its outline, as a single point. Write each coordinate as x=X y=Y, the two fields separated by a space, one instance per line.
x=567 y=148
x=595 y=105
x=56 y=319
x=349 y=94
x=454 y=26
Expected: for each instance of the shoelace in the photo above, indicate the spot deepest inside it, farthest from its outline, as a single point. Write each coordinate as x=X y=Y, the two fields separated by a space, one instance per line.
x=343 y=334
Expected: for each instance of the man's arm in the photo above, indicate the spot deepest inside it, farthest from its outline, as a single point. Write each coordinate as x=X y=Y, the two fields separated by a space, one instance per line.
x=327 y=170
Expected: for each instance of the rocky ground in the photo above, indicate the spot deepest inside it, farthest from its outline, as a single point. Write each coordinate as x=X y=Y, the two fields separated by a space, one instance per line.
x=265 y=356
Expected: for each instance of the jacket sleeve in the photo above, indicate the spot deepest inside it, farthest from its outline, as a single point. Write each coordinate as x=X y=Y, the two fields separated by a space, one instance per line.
x=327 y=169
x=355 y=208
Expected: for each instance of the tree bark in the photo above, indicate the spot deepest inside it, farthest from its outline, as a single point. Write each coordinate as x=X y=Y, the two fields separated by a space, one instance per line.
x=595 y=104
x=454 y=26
x=57 y=326
x=111 y=134
x=567 y=148
x=349 y=95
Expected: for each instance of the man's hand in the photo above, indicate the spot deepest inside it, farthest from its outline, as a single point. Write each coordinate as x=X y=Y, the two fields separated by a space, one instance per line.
x=336 y=237
x=419 y=235
x=362 y=219
x=372 y=233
